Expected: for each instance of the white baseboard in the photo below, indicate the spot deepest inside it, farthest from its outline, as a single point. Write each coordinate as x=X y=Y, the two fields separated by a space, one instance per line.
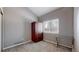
x=59 y=43
x=66 y=46
x=50 y=41
x=16 y=45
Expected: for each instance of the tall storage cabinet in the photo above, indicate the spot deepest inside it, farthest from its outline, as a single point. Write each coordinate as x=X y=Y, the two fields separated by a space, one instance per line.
x=36 y=36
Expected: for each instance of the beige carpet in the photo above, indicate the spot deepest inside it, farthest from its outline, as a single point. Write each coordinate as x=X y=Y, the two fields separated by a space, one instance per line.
x=38 y=47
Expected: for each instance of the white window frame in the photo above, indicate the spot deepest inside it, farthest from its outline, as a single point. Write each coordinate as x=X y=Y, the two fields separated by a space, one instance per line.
x=57 y=32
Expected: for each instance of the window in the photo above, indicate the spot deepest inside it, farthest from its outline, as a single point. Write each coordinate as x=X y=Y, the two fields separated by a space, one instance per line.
x=51 y=26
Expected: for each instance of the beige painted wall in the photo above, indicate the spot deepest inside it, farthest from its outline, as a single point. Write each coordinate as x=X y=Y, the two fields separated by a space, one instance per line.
x=65 y=16
x=16 y=25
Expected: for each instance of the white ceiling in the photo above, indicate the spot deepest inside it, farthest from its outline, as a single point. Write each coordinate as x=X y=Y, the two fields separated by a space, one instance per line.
x=39 y=11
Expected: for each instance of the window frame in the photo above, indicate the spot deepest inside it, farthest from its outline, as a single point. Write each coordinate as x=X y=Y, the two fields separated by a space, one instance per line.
x=54 y=32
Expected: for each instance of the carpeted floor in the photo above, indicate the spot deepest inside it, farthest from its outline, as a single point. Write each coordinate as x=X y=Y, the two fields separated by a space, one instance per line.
x=38 y=47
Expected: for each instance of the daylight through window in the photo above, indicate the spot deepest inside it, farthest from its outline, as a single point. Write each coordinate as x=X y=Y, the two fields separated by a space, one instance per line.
x=51 y=26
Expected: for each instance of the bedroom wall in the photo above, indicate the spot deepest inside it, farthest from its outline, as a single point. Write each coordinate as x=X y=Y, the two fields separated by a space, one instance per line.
x=65 y=16
x=0 y=29
x=76 y=29
x=16 y=25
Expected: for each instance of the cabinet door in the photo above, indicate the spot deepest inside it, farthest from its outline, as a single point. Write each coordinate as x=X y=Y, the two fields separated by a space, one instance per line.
x=34 y=37
x=39 y=31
